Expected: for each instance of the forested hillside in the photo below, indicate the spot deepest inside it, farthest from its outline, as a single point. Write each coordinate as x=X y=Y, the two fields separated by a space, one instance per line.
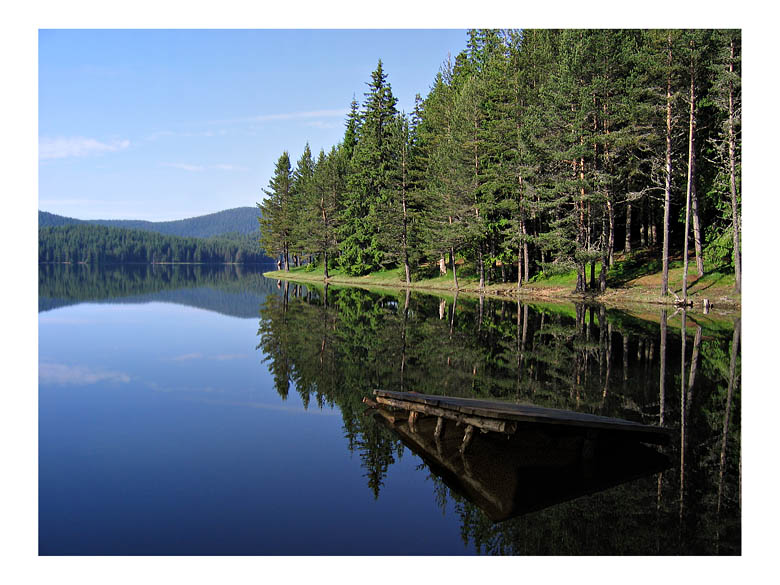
x=241 y=220
x=100 y=244
x=534 y=152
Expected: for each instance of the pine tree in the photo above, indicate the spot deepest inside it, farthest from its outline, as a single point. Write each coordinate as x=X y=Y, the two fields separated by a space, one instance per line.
x=277 y=219
x=369 y=180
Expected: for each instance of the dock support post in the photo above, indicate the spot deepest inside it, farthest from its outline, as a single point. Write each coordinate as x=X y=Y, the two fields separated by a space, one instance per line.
x=412 y=420
x=439 y=428
x=467 y=438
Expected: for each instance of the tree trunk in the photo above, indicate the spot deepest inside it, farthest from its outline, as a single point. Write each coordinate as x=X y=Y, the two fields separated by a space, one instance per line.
x=519 y=267
x=325 y=262
x=697 y=230
x=668 y=172
x=481 y=268
x=527 y=263
x=689 y=187
x=733 y=182
x=604 y=255
x=627 y=245
x=691 y=190
x=404 y=236
x=454 y=271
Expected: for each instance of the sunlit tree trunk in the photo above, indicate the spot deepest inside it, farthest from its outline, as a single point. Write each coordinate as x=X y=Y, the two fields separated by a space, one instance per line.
x=668 y=171
x=454 y=270
x=627 y=244
x=691 y=186
x=735 y=223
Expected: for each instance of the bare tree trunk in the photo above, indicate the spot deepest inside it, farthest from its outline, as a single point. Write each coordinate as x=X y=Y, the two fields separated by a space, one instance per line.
x=325 y=262
x=454 y=271
x=527 y=262
x=604 y=255
x=691 y=190
x=733 y=182
x=404 y=235
x=627 y=244
x=688 y=190
x=668 y=169
x=697 y=231
x=481 y=268
x=611 y=240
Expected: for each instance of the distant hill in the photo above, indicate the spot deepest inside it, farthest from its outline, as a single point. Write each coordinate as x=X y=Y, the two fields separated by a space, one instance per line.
x=241 y=220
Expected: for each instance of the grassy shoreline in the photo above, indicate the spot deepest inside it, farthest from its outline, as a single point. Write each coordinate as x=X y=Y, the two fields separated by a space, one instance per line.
x=632 y=285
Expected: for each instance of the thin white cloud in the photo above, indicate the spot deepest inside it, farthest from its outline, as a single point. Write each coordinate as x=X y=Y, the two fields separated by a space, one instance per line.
x=76 y=146
x=288 y=116
x=321 y=124
x=66 y=375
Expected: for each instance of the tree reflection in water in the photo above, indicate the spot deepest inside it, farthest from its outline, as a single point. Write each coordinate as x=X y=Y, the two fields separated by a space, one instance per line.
x=334 y=346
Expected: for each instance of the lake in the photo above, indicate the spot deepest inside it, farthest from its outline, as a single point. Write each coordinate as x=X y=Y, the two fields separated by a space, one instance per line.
x=197 y=410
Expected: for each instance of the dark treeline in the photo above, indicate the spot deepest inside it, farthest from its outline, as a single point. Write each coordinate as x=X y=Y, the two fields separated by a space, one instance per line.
x=535 y=151
x=99 y=244
x=229 y=289
x=334 y=346
x=240 y=220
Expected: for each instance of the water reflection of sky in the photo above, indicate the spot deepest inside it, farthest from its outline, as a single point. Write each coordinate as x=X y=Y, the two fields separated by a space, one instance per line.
x=160 y=432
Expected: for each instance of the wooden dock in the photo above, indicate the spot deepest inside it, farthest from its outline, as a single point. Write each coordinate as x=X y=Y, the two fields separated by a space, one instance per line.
x=505 y=417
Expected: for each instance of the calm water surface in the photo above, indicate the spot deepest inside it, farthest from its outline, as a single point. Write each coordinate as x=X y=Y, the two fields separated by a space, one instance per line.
x=192 y=410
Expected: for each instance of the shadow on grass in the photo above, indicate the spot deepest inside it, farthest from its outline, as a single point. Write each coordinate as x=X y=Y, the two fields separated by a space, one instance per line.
x=635 y=266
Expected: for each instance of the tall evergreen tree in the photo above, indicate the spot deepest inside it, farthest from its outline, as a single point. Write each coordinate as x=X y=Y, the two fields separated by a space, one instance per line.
x=277 y=224
x=369 y=180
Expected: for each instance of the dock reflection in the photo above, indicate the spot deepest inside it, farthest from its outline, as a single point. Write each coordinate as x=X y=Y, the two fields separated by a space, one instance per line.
x=509 y=476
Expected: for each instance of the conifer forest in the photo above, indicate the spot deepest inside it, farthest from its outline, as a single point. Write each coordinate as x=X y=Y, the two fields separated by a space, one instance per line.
x=534 y=152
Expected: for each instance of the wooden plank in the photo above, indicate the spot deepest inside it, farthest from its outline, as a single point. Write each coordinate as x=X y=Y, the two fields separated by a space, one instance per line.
x=487 y=412
x=488 y=424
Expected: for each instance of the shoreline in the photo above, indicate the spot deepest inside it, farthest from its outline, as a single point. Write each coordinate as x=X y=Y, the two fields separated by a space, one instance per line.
x=636 y=296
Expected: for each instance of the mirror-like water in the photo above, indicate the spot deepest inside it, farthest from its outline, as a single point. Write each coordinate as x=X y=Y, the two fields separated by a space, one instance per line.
x=196 y=410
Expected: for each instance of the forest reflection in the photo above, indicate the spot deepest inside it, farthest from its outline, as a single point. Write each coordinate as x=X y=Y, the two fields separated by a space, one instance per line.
x=335 y=345
x=229 y=289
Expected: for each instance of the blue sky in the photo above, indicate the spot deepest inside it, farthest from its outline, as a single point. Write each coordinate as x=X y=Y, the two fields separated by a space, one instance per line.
x=166 y=124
